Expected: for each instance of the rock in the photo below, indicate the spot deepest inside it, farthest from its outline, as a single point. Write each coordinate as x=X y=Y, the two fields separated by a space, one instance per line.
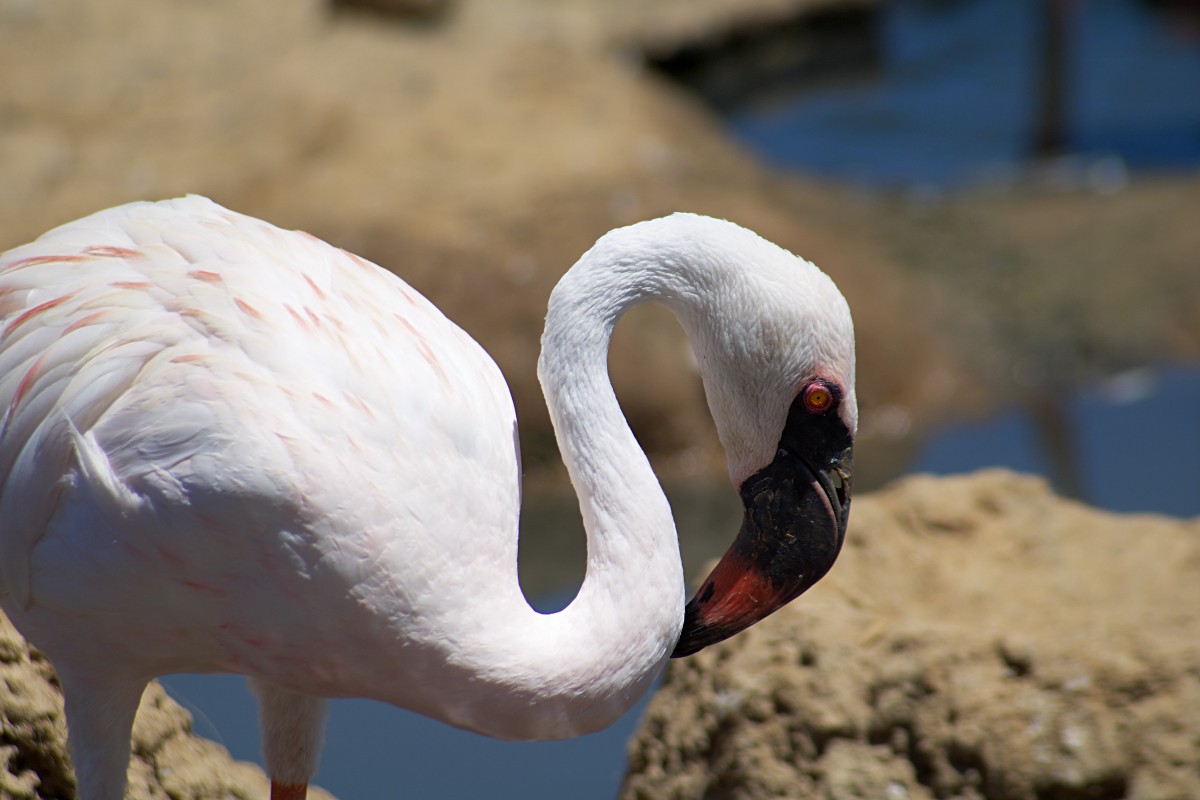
x=979 y=638
x=169 y=761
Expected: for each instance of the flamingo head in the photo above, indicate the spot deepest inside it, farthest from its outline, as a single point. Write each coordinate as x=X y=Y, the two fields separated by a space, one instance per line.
x=779 y=379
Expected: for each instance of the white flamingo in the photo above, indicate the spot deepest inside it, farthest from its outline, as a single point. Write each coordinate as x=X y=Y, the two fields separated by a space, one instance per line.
x=226 y=447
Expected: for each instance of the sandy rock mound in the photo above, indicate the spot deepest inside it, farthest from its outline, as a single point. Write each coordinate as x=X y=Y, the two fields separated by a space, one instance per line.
x=979 y=638
x=168 y=760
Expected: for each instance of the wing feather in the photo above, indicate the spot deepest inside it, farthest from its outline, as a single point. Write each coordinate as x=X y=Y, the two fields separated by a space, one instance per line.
x=178 y=344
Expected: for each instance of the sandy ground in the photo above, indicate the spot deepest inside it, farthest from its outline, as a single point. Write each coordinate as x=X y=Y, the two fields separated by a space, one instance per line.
x=979 y=639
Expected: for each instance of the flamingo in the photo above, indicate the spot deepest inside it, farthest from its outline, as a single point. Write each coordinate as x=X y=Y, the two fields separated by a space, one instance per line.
x=226 y=447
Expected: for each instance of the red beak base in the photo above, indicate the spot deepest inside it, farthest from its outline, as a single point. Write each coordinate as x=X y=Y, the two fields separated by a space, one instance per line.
x=735 y=596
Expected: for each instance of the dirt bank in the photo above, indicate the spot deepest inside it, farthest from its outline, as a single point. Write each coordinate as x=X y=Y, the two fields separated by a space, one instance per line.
x=979 y=639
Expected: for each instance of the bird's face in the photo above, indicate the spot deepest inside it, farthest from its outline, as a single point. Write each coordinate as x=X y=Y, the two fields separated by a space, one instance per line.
x=787 y=416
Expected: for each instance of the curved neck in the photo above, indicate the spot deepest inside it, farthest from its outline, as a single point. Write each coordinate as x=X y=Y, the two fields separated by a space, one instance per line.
x=577 y=670
x=512 y=672
x=633 y=589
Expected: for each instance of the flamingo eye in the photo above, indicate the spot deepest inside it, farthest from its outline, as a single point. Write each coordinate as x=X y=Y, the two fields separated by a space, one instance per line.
x=818 y=398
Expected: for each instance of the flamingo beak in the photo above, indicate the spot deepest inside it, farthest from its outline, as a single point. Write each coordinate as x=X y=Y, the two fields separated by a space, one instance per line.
x=792 y=532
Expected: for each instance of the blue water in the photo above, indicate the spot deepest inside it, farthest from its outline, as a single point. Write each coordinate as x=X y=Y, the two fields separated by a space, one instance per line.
x=1137 y=443
x=375 y=751
x=955 y=103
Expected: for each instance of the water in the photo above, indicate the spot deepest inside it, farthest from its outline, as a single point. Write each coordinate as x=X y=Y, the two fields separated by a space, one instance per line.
x=374 y=750
x=957 y=99
x=1133 y=444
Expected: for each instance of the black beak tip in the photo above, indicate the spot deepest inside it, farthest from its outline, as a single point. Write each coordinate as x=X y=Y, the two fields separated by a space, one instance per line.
x=683 y=649
x=695 y=636
x=762 y=572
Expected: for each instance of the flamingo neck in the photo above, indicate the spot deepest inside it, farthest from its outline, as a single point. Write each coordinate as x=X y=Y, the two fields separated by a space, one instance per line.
x=577 y=670
x=628 y=613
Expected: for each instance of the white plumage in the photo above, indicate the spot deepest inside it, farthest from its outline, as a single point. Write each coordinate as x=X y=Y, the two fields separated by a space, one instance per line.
x=230 y=448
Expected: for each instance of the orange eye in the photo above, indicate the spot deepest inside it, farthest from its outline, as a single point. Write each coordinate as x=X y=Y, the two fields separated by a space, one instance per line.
x=817 y=398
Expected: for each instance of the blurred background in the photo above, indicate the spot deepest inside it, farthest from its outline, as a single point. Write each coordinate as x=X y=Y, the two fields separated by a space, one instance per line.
x=1007 y=191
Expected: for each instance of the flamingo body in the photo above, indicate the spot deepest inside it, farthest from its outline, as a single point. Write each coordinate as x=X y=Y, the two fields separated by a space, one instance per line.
x=231 y=448
x=222 y=455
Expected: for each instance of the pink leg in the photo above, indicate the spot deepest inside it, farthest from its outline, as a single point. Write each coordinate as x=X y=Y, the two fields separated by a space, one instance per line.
x=289 y=791
x=293 y=726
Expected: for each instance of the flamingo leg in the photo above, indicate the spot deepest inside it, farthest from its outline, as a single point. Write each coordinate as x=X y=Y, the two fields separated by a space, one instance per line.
x=293 y=726
x=288 y=791
x=100 y=711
